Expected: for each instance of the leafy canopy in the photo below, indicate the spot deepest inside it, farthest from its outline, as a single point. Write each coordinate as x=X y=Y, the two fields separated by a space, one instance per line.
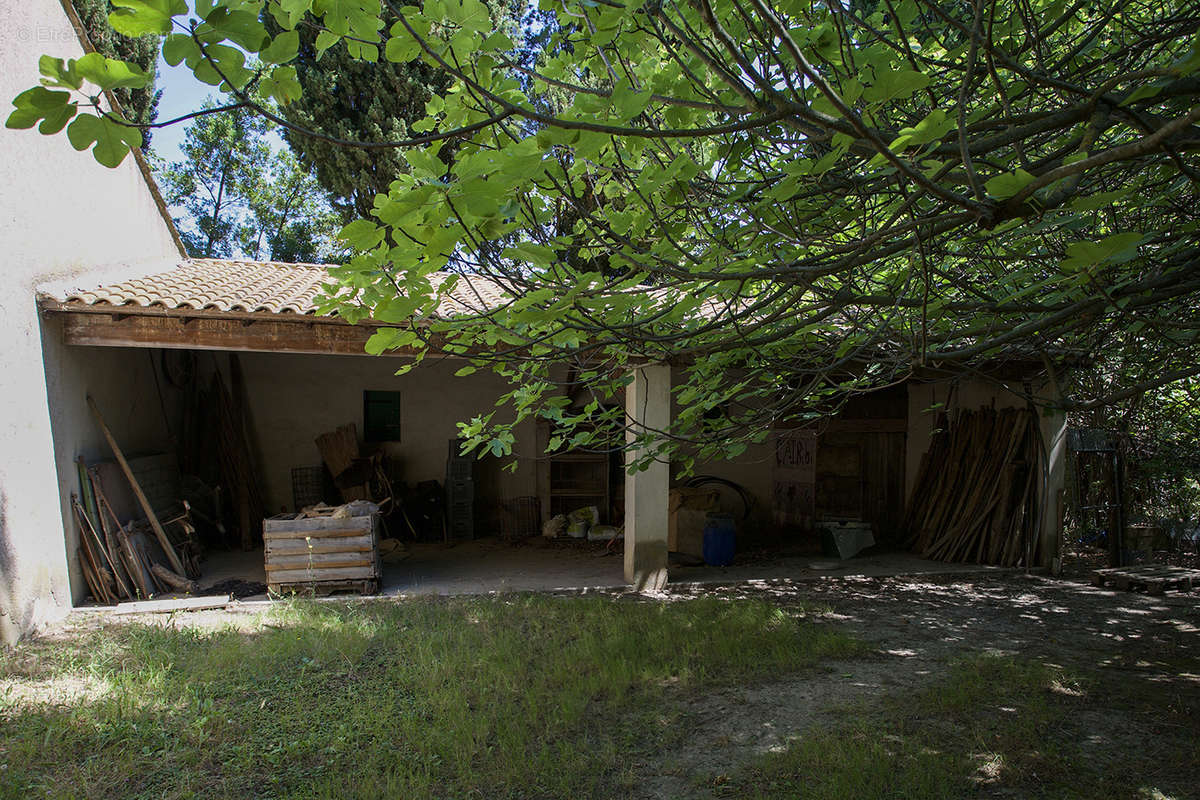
x=788 y=200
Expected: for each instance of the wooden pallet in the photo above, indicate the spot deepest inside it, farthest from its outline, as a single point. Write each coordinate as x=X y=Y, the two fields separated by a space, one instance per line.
x=1154 y=578
x=326 y=588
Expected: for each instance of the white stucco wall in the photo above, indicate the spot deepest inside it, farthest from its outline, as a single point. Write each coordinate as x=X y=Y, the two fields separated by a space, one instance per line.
x=294 y=398
x=62 y=216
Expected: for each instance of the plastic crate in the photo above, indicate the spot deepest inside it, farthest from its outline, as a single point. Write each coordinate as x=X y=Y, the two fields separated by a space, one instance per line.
x=459 y=467
x=459 y=490
x=460 y=509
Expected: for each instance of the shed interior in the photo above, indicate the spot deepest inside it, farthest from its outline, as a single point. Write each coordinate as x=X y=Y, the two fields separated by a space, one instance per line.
x=247 y=436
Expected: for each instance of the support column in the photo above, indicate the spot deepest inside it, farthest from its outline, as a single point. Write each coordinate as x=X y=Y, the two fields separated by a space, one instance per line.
x=647 y=406
x=1054 y=438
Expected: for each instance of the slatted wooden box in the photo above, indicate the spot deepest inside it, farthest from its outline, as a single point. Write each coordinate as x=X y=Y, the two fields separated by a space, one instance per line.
x=322 y=554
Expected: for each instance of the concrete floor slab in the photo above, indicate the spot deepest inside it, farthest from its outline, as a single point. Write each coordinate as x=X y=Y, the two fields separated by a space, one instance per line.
x=492 y=566
x=489 y=565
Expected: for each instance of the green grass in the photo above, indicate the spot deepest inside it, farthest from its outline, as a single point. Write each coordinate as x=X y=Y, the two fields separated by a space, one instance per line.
x=996 y=727
x=523 y=696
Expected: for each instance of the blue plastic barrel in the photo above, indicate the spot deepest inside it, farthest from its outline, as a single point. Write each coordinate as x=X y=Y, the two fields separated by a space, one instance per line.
x=720 y=534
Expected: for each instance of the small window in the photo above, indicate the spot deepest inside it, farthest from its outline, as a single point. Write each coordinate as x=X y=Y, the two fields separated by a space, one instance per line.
x=381 y=416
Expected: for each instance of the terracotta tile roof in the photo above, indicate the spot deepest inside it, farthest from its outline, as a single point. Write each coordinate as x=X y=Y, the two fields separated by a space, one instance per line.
x=256 y=287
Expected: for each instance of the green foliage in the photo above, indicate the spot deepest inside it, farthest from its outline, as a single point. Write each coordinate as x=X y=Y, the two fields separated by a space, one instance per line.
x=289 y=217
x=341 y=96
x=111 y=136
x=40 y=105
x=222 y=157
x=789 y=202
x=1118 y=247
x=110 y=141
x=1158 y=428
x=1008 y=185
x=108 y=73
x=142 y=17
x=140 y=104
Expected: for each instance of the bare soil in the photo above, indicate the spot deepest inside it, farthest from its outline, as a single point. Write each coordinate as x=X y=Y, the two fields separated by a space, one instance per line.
x=917 y=627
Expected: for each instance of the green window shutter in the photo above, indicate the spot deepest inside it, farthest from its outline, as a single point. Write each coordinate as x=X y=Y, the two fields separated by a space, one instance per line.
x=381 y=416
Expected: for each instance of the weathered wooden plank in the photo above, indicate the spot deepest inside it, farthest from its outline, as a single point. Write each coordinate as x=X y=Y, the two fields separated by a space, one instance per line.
x=1148 y=569
x=320 y=574
x=1154 y=578
x=176 y=582
x=360 y=544
x=323 y=588
x=180 y=604
x=321 y=525
x=163 y=540
x=302 y=552
x=260 y=333
x=315 y=536
x=318 y=561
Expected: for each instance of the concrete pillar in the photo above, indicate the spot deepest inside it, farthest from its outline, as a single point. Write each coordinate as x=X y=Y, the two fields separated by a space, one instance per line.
x=647 y=406
x=1054 y=439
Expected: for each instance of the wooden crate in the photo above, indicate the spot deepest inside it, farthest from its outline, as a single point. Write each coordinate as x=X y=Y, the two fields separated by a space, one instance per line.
x=322 y=554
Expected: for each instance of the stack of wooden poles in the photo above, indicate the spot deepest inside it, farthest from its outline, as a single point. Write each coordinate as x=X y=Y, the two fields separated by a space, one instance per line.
x=976 y=497
x=215 y=446
x=117 y=560
x=237 y=470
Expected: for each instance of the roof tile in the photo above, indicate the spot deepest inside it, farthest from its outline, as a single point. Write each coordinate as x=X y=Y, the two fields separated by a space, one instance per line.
x=259 y=287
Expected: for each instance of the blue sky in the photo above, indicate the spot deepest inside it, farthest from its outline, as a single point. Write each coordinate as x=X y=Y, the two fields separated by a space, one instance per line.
x=181 y=94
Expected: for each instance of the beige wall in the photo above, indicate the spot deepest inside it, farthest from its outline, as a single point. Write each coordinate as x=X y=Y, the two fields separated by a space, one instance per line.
x=62 y=216
x=753 y=470
x=294 y=398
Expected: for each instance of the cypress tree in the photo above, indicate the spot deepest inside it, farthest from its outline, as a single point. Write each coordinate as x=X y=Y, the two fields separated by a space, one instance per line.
x=351 y=99
x=139 y=105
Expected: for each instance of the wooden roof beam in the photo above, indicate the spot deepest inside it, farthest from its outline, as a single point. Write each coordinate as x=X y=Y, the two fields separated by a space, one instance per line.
x=214 y=333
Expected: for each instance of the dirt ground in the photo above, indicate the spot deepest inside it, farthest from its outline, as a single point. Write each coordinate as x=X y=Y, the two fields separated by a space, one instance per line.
x=918 y=626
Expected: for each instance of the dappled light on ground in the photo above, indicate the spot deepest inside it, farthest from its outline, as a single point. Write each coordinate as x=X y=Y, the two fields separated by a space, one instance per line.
x=1025 y=615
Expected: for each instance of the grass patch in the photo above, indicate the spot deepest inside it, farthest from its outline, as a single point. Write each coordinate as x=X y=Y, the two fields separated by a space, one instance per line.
x=996 y=727
x=524 y=696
